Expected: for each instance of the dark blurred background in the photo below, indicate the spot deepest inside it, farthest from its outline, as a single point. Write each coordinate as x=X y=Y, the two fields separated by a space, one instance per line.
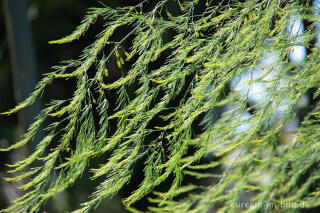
x=24 y=56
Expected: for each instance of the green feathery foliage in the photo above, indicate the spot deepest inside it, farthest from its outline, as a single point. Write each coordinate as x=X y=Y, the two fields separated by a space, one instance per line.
x=206 y=44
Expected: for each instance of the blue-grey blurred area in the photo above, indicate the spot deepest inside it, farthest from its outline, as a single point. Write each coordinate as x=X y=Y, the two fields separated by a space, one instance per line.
x=253 y=84
x=26 y=27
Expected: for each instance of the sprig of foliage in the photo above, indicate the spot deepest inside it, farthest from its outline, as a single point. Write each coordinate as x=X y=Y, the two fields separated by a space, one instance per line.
x=204 y=51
